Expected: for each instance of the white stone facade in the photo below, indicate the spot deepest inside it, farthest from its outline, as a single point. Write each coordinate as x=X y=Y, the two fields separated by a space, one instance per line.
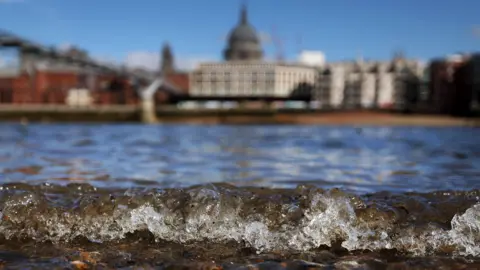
x=363 y=84
x=237 y=78
x=79 y=97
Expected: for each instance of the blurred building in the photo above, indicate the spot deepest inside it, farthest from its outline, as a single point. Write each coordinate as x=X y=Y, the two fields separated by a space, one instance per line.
x=354 y=84
x=365 y=84
x=243 y=42
x=167 y=64
x=79 y=98
x=41 y=78
x=245 y=73
x=238 y=78
x=475 y=61
x=174 y=82
x=454 y=84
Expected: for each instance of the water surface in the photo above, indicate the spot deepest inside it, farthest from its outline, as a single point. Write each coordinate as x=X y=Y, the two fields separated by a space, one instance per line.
x=357 y=159
x=119 y=196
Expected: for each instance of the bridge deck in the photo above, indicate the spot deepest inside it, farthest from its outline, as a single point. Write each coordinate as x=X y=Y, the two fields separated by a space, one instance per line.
x=240 y=98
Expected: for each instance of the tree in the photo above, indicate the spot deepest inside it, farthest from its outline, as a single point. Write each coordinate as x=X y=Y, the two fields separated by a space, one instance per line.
x=302 y=90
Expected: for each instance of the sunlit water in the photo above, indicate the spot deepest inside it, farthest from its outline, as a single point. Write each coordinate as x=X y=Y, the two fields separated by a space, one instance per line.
x=361 y=160
x=256 y=193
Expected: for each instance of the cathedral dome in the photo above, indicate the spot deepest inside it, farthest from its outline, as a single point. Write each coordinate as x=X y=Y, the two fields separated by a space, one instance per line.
x=243 y=41
x=243 y=33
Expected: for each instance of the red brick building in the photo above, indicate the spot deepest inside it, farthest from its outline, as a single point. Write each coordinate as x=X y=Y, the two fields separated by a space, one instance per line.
x=52 y=86
x=177 y=82
x=111 y=89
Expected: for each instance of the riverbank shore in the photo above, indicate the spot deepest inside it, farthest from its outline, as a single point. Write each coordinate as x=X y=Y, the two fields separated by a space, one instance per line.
x=132 y=113
x=62 y=113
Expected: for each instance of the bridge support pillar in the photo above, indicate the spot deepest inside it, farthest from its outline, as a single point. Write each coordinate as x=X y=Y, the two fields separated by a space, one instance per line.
x=148 y=112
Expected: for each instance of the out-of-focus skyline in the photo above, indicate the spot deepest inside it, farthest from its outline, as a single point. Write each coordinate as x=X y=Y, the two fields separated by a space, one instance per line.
x=133 y=31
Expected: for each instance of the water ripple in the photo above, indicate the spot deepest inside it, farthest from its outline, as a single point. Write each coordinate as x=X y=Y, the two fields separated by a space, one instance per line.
x=387 y=158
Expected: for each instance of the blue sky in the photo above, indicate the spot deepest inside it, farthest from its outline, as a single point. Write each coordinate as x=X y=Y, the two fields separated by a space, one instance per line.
x=133 y=31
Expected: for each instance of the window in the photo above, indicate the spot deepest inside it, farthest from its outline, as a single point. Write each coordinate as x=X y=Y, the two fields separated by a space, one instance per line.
x=214 y=84
x=254 y=78
x=228 y=86
x=228 y=81
x=270 y=76
x=227 y=77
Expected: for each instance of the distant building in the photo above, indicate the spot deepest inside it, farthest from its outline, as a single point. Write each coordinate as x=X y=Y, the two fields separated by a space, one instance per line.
x=249 y=79
x=454 y=84
x=167 y=65
x=79 y=97
x=243 y=42
x=177 y=83
x=244 y=73
x=355 y=84
x=475 y=60
x=43 y=79
x=359 y=84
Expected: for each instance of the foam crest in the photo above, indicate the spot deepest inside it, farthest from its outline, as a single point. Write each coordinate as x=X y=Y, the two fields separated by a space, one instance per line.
x=465 y=231
x=265 y=220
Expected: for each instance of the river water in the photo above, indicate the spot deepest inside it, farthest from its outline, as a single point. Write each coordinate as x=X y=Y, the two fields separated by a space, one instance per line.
x=237 y=197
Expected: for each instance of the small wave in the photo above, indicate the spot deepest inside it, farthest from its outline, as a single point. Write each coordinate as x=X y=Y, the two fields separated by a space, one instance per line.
x=265 y=220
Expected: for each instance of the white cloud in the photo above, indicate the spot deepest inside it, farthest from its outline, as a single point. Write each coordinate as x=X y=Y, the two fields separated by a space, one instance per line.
x=141 y=59
x=151 y=60
x=312 y=58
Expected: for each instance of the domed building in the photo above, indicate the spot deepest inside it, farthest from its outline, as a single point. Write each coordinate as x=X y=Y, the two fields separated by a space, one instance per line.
x=243 y=42
x=244 y=73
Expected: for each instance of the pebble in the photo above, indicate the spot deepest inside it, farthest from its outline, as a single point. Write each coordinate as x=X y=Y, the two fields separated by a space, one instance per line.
x=79 y=265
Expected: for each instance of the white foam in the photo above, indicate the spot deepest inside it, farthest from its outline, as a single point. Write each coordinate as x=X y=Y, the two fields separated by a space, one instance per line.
x=465 y=232
x=326 y=219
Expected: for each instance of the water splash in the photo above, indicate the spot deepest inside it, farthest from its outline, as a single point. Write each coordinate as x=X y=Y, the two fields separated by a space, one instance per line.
x=265 y=220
